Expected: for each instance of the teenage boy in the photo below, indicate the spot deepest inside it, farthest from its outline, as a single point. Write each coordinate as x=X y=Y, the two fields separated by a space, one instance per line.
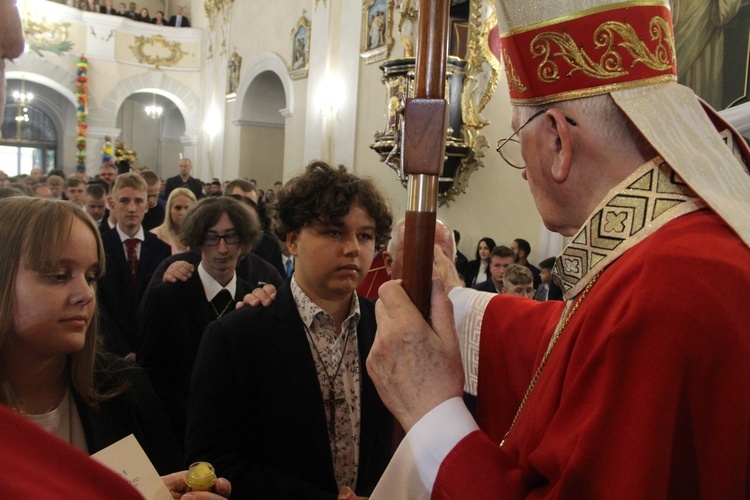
x=132 y=256
x=281 y=402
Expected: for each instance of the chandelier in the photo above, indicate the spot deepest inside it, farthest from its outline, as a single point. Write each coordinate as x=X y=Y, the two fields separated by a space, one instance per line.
x=153 y=111
x=22 y=100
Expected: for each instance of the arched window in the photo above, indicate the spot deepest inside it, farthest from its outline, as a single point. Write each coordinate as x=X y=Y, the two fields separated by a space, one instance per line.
x=29 y=139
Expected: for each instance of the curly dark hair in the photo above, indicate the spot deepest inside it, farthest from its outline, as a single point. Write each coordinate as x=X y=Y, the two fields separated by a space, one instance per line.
x=206 y=213
x=326 y=194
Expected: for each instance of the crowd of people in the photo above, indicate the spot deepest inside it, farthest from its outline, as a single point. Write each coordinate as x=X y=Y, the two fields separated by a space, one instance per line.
x=131 y=12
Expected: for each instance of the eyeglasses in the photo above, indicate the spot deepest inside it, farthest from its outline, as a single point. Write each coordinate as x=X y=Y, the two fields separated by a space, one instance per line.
x=511 y=146
x=212 y=240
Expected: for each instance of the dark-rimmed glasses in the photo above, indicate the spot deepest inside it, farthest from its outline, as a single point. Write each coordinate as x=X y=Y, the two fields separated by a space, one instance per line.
x=502 y=144
x=212 y=239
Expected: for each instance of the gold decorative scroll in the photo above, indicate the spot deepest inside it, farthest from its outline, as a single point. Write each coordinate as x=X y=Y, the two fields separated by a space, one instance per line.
x=46 y=36
x=610 y=63
x=215 y=10
x=157 y=51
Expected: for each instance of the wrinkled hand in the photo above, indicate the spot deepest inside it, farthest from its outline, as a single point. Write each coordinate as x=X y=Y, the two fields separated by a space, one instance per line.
x=178 y=271
x=260 y=296
x=347 y=493
x=414 y=367
x=176 y=484
x=444 y=267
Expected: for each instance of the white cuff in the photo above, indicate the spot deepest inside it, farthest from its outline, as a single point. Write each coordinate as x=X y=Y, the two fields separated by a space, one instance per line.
x=414 y=467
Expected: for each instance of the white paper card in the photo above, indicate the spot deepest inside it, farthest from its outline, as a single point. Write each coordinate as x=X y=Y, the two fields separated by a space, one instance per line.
x=127 y=458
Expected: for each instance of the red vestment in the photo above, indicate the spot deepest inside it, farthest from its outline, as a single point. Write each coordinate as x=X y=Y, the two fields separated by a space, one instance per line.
x=646 y=393
x=36 y=464
x=376 y=276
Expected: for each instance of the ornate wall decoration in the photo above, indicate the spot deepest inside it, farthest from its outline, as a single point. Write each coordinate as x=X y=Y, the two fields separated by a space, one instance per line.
x=157 y=51
x=407 y=25
x=300 y=48
x=218 y=10
x=470 y=84
x=377 y=30
x=46 y=36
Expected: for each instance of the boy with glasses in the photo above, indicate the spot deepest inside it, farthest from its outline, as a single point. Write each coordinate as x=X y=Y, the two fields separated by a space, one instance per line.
x=173 y=316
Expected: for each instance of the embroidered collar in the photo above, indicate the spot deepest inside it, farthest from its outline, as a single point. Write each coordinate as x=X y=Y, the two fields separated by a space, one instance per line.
x=649 y=198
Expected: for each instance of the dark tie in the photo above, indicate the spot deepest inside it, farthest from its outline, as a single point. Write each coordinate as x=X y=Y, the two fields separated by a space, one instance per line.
x=222 y=303
x=289 y=267
x=132 y=246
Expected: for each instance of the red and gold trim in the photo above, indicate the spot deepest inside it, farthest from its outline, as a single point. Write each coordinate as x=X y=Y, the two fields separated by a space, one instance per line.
x=602 y=50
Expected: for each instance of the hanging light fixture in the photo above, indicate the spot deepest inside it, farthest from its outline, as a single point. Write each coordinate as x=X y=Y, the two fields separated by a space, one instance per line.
x=22 y=100
x=153 y=111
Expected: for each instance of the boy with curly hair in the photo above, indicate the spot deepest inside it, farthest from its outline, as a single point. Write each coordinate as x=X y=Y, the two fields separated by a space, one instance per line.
x=281 y=402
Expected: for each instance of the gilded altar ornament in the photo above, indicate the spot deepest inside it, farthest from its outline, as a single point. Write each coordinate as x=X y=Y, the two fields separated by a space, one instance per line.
x=407 y=26
x=46 y=36
x=157 y=51
x=218 y=10
x=610 y=63
x=123 y=154
x=470 y=85
x=482 y=68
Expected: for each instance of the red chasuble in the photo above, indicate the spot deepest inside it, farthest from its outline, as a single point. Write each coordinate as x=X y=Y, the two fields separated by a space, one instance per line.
x=36 y=464
x=645 y=395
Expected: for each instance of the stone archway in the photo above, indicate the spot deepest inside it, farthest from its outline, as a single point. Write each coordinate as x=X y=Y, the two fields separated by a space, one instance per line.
x=264 y=101
x=103 y=119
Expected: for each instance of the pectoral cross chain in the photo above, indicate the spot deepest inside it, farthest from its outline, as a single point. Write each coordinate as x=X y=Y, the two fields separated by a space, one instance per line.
x=331 y=404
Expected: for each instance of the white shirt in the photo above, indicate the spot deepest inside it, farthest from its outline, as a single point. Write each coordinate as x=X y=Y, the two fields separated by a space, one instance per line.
x=140 y=236
x=211 y=287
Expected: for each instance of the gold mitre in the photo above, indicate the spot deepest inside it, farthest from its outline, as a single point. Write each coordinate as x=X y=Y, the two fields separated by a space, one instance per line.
x=558 y=50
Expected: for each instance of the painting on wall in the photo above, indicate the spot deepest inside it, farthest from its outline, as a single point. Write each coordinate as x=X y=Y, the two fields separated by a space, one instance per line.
x=712 y=41
x=233 y=75
x=300 y=48
x=377 y=30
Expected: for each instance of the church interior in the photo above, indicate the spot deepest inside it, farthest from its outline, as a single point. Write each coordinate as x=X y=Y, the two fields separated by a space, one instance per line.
x=257 y=89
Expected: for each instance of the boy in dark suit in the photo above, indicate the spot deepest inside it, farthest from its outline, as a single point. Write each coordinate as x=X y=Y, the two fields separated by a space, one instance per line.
x=281 y=402
x=132 y=255
x=173 y=316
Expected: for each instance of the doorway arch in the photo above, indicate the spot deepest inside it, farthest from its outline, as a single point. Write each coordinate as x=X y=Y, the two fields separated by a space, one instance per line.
x=265 y=100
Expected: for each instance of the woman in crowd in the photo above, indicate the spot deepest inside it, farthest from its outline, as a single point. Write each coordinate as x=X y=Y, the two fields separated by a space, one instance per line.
x=144 y=16
x=159 y=19
x=179 y=201
x=478 y=270
x=52 y=369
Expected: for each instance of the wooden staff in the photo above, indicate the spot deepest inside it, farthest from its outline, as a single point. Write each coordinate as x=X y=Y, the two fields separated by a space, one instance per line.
x=423 y=150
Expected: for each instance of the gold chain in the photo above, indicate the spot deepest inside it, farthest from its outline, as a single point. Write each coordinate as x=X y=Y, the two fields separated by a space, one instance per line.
x=550 y=346
x=220 y=314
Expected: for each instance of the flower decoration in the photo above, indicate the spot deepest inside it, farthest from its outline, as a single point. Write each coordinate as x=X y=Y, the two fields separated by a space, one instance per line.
x=82 y=111
x=108 y=151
